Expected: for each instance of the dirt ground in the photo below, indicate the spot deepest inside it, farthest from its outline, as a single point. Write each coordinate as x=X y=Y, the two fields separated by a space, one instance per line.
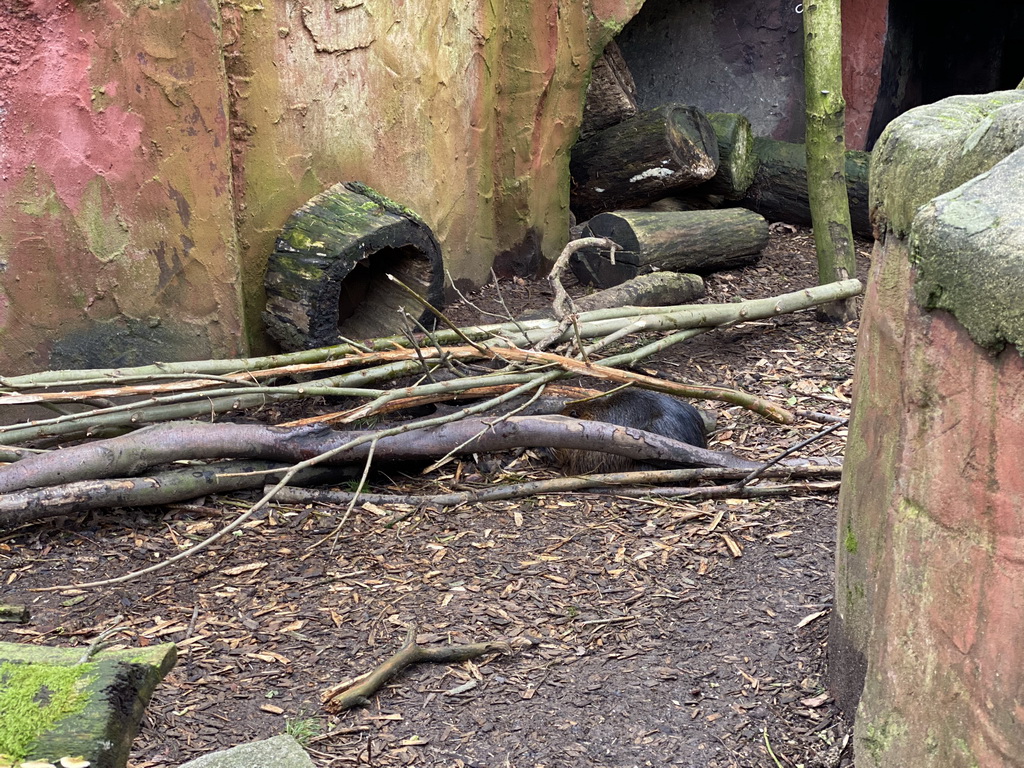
x=647 y=632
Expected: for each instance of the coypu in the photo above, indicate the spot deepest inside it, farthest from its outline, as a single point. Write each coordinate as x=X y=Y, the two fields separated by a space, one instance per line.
x=636 y=408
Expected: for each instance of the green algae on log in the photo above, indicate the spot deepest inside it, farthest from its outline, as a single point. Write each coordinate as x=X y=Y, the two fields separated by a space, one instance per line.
x=327 y=277
x=737 y=161
x=642 y=159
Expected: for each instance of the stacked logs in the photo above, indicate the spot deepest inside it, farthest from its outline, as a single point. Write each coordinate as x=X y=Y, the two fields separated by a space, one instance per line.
x=682 y=190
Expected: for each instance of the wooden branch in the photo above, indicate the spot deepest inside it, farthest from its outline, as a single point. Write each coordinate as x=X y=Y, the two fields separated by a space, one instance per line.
x=619 y=482
x=184 y=405
x=563 y=305
x=358 y=693
x=35 y=504
x=131 y=454
x=751 y=402
x=732 y=492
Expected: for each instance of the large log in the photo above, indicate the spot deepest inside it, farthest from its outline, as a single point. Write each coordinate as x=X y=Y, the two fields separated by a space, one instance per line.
x=642 y=159
x=65 y=703
x=680 y=241
x=327 y=277
x=779 y=189
x=611 y=95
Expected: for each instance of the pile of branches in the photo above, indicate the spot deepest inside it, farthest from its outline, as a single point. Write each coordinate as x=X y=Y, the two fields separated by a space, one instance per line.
x=124 y=422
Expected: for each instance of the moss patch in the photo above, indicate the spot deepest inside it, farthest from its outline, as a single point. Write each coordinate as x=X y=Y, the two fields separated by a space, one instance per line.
x=850 y=542
x=33 y=697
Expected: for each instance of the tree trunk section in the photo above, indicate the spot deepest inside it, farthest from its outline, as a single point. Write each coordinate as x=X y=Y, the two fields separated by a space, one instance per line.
x=327 y=277
x=826 y=143
x=679 y=241
x=737 y=161
x=779 y=189
x=642 y=159
x=611 y=95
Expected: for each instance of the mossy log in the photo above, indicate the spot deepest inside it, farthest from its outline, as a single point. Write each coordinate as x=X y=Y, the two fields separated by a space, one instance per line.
x=679 y=241
x=61 y=703
x=611 y=95
x=327 y=277
x=737 y=161
x=657 y=289
x=642 y=159
x=779 y=189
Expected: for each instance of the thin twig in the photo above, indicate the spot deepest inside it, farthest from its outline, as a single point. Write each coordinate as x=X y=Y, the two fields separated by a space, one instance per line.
x=789 y=451
x=620 y=481
x=435 y=311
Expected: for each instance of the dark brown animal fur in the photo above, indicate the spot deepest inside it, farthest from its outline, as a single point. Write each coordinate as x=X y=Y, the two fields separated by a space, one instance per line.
x=636 y=408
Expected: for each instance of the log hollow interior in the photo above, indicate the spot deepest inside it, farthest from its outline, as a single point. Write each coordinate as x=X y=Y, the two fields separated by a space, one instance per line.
x=368 y=302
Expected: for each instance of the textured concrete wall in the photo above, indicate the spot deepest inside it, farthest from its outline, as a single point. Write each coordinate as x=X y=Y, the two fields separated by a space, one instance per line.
x=117 y=240
x=929 y=610
x=151 y=151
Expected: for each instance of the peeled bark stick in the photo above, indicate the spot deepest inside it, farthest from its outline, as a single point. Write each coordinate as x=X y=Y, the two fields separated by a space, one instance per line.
x=131 y=454
x=642 y=159
x=599 y=323
x=679 y=241
x=295 y=362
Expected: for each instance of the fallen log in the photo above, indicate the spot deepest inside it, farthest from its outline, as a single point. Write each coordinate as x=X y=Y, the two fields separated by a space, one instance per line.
x=680 y=241
x=655 y=289
x=642 y=159
x=779 y=189
x=326 y=279
x=611 y=95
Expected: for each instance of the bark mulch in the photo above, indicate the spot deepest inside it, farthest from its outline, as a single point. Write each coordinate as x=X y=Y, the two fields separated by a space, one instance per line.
x=645 y=632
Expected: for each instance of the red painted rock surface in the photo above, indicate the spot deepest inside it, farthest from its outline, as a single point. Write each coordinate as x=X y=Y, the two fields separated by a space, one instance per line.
x=864 y=29
x=930 y=573
x=116 y=214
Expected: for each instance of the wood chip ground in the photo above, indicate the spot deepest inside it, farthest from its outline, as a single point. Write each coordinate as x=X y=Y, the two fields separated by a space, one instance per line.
x=647 y=633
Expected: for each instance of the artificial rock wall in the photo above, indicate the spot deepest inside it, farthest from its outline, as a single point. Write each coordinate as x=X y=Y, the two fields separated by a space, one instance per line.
x=925 y=637
x=150 y=152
